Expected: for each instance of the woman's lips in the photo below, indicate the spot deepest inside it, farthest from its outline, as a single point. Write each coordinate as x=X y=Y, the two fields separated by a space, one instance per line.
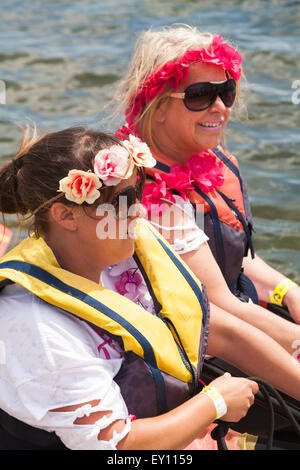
x=212 y=125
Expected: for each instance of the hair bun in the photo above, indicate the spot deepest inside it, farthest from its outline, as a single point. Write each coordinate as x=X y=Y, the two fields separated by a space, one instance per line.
x=10 y=202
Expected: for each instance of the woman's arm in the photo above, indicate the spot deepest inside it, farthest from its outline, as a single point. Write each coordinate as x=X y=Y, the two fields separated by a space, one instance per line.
x=239 y=344
x=204 y=266
x=253 y=352
x=202 y=262
x=180 y=426
x=266 y=278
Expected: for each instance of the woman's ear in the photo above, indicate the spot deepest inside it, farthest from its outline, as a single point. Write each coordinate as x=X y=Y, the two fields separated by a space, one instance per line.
x=159 y=115
x=64 y=216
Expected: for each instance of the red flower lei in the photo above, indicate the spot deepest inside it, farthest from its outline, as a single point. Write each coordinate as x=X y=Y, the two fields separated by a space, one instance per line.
x=202 y=170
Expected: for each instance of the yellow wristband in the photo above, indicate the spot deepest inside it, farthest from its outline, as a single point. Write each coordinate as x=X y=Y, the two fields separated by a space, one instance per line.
x=280 y=290
x=218 y=400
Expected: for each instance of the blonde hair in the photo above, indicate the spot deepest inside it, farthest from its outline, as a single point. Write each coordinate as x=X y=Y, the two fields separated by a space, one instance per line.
x=154 y=49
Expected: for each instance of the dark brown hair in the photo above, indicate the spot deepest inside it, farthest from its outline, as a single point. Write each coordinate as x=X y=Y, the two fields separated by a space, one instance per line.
x=29 y=182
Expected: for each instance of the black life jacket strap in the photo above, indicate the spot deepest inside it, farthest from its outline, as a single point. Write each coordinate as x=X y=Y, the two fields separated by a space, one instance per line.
x=240 y=217
x=219 y=243
x=162 y=167
x=230 y=165
x=247 y=227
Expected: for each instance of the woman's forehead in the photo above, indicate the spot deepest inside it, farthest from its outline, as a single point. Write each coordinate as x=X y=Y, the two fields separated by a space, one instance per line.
x=202 y=72
x=125 y=183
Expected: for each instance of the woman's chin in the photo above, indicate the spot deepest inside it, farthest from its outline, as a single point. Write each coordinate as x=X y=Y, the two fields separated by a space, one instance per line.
x=127 y=250
x=211 y=141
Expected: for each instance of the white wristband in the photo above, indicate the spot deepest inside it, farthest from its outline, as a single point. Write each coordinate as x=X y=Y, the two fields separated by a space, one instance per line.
x=218 y=400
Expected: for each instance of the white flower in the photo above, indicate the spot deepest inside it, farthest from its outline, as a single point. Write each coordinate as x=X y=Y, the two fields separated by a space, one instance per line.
x=113 y=164
x=80 y=186
x=140 y=152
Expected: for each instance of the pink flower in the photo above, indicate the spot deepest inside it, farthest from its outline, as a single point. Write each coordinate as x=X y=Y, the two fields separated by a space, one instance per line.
x=230 y=58
x=190 y=57
x=153 y=87
x=113 y=164
x=168 y=71
x=179 y=179
x=210 y=57
x=206 y=171
x=139 y=152
x=80 y=186
x=131 y=285
x=153 y=195
x=179 y=77
x=172 y=73
x=156 y=193
x=232 y=61
x=203 y=170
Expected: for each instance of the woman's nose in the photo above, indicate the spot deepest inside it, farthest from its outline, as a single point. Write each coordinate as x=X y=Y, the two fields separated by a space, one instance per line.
x=218 y=105
x=137 y=210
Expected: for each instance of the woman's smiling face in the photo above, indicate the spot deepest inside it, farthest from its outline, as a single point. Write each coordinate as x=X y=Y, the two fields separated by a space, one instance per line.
x=181 y=132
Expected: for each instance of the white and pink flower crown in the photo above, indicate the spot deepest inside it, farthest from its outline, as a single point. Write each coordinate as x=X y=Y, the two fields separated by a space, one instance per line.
x=111 y=165
x=172 y=73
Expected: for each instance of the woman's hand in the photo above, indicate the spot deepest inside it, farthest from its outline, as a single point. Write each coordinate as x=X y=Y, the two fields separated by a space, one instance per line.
x=292 y=301
x=238 y=394
x=266 y=279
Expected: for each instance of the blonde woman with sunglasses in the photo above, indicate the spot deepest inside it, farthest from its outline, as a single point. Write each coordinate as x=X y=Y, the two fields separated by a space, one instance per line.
x=177 y=96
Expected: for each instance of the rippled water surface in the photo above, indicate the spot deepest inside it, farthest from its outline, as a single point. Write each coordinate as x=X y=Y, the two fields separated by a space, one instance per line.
x=60 y=61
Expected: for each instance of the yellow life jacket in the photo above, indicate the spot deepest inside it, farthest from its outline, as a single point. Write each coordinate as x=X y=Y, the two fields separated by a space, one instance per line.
x=171 y=344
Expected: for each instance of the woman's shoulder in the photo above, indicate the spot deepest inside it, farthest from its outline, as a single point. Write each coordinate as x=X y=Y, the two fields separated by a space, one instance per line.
x=19 y=305
x=29 y=325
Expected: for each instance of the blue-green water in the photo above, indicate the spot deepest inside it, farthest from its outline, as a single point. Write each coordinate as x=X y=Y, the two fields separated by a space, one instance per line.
x=60 y=61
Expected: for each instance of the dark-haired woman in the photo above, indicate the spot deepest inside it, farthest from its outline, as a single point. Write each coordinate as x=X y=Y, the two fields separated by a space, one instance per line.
x=92 y=341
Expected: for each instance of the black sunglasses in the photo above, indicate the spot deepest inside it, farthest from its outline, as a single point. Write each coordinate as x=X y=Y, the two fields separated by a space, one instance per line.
x=123 y=200
x=130 y=193
x=200 y=96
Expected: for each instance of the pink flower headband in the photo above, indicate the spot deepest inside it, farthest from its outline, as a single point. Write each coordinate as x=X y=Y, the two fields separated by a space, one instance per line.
x=110 y=167
x=172 y=73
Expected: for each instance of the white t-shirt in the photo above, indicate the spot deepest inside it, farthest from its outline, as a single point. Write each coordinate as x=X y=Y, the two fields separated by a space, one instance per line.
x=50 y=359
x=184 y=236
